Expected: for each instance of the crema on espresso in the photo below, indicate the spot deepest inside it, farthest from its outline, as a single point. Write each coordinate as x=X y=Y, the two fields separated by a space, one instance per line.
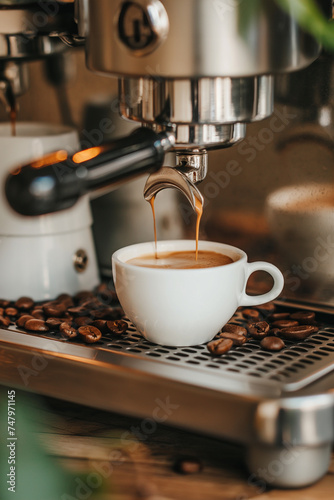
x=182 y=260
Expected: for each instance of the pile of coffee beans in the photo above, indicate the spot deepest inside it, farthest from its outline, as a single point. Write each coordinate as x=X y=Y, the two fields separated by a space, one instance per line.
x=271 y=328
x=84 y=317
x=90 y=315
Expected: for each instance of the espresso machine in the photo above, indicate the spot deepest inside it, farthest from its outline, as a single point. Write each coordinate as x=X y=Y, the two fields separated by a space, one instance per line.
x=190 y=105
x=193 y=74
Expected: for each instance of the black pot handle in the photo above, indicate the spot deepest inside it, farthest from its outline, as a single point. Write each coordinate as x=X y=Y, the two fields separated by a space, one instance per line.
x=56 y=181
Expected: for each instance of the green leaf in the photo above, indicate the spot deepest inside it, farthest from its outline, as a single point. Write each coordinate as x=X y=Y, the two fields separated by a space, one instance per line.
x=35 y=475
x=311 y=18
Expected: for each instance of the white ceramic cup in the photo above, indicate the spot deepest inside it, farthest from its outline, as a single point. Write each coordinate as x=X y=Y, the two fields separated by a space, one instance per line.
x=183 y=307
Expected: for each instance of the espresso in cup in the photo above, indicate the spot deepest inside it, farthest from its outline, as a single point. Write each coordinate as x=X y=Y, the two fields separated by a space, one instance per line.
x=182 y=260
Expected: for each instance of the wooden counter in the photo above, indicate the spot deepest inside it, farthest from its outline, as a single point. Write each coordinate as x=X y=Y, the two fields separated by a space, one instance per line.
x=111 y=458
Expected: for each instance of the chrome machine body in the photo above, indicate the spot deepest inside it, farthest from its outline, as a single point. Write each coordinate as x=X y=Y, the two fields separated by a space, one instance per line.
x=29 y=29
x=223 y=79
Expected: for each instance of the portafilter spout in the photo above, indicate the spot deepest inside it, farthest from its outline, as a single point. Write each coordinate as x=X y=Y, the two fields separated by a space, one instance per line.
x=170 y=177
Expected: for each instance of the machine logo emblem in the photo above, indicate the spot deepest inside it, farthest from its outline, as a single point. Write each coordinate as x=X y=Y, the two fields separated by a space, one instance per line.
x=142 y=25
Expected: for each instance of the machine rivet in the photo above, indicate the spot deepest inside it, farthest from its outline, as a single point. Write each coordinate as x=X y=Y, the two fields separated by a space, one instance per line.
x=80 y=261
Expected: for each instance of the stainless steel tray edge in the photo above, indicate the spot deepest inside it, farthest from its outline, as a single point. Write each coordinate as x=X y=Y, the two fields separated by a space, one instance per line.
x=154 y=397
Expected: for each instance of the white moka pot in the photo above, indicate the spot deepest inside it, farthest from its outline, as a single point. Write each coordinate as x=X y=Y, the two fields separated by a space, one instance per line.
x=43 y=256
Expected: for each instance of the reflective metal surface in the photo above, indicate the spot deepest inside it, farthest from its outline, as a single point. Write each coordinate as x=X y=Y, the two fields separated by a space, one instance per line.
x=16 y=47
x=197 y=101
x=206 y=136
x=36 y=17
x=223 y=76
x=31 y=30
x=201 y=112
x=14 y=81
x=234 y=39
x=167 y=177
x=17 y=75
x=194 y=164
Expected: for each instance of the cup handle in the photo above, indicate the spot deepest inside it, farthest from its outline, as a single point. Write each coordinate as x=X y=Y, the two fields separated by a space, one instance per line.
x=275 y=273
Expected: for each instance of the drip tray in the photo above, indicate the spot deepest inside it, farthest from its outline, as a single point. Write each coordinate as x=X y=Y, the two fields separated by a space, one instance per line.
x=258 y=398
x=299 y=364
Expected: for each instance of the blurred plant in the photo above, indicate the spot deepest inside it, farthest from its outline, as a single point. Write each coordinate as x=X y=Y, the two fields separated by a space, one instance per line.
x=311 y=18
x=307 y=13
x=38 y=476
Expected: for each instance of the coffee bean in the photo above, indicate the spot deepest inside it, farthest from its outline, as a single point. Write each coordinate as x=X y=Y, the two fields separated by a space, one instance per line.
x=278 y=316
x=118 y=326
x=78 y=311
x=54 y=309
x=38 y=313
x=272 y=344
x=236 y=338
x=91 y=304
x=219 y=346
x=116 y=313
x=188 y=465
x=36 y=325
x=102 y=287
x=237 y=329
x=103 y=313
x=299 y=332
x=90 y=334
x=101 y=324
x=68 y=331
x=23 y=319
x=65 y=299
x=251 y=314
x=83 y=321
x=68 y=317
x=258 y=330
x=54 y=323
x=84 y=295
x=24 y=303
x=274 y=332
x=303 y=317
x=268 y=308
x=105 y=294
x=284 y=323
x=85 y=306
x=4 y=321
x=11 y=311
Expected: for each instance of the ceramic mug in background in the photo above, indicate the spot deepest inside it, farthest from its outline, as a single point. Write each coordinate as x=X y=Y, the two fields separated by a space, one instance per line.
x=183 y=307
x=37 y=254
x=301 y=221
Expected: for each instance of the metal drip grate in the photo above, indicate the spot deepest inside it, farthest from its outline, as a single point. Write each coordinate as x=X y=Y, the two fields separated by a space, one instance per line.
x=299 y=364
